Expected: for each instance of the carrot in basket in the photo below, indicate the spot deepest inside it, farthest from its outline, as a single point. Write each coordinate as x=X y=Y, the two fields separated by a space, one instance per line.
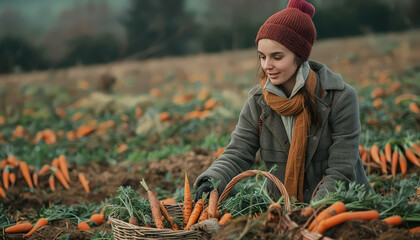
x=84 y=182
x=345 y=216
x=412 y=157
x=198 y=208
x=40 y=223
x=307 y=211
x=51 y=182
x=19 y=228
x=168 y=201
x=5 y=176
x=83 y=226
x=204 y=214
x=334 y=209
x=374 y=152
x=59 y=175
x=225 y=218
x=64 y=167
x=154 y=206
x=393 y=220
x=213 y=199
x=187 y=207
x=388 y=152
x=166 y=214
x=26 y=174
x=394 y=163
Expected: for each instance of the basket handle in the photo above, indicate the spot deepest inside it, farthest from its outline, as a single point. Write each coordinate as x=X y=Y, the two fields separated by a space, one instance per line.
x=251 y=173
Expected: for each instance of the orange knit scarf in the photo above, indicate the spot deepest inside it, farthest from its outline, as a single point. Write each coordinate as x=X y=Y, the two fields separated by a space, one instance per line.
x=295 y=166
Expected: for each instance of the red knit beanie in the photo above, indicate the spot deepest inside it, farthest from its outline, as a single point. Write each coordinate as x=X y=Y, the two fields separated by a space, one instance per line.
x=292 y=27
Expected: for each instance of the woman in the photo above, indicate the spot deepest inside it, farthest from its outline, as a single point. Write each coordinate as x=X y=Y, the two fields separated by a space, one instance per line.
x=303 y=117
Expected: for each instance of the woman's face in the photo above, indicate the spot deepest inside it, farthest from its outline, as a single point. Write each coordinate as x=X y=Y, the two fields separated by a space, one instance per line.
x=278 y=63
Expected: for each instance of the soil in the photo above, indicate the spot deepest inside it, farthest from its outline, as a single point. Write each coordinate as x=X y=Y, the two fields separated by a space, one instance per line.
x=104 y=180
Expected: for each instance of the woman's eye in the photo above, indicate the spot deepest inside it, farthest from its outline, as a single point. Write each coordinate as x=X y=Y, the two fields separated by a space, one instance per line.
x=261 y=57
x=277 y=58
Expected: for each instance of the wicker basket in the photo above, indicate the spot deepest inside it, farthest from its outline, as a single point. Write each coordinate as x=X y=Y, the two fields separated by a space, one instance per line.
x=123 y=230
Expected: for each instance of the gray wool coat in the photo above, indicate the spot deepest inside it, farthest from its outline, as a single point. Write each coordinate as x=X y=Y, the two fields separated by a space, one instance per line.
x=332 y=149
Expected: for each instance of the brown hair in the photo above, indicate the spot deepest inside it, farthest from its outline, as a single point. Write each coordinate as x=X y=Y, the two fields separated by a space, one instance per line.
x=309 y=98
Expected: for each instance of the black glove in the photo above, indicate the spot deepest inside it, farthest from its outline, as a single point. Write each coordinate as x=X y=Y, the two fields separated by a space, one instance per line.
x=205 y=187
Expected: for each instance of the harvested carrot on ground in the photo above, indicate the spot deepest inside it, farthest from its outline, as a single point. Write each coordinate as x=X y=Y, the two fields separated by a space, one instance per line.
x=225 y=218
x=403 y=162
x=12 y=178
x=59 y=175
x=334 y=209
x=51 y=183
x=40 y=223
x=84 y=182
x=187 y=207
x=383 y=163
x=19 y=228
x=154 y=206
x=26 y=174
x=6 y=177
x=2 y=192
x=374 y=152
x=388 y=152
x=393 y=220
x=83 y=226
x=166 y=214
x=412 y=157
x=35 y=178
x=415 y=229
x=62 y=161
x=44 y=170
x=55 y=163
x=97 y=218
x=394 y=163
x=345 y=216
x=195 y=214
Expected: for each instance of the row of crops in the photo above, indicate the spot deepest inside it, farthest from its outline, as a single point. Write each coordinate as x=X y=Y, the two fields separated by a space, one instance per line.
x=48 y=144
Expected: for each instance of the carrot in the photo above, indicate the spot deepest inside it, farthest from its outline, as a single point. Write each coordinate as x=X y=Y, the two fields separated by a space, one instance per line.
x=274 y=213
x=383 y=163
x=403 y=163
x=393 y=220
x=59 y=175
x=364 y=156
x=12 y=178
x=26 y=174
x=3 y=163
x=44 y=170
x=414 y=107
x=19 y=228
x=388 y=152
x=361 y=149
x=335 y=208
x=187 y=204
x=214 y=197
x=154 y=206
x=307 y=211
x=5 y=176
x=2 y=192
x=84 y=182
x=166 y=214
x=40 y=223
x=345 y=216
x=51 y=182
x=64 y=167
x=35 y=178
x=198 y=208
x=374 y=152
x=133 y=220
x=415 y=229
x=225 y=218
x=412 y=157
x=55 y=163
x=415 y=148
x=97 y=218
x=168 y=201
x=394 y=163
x=204 y=214
x=83 y=226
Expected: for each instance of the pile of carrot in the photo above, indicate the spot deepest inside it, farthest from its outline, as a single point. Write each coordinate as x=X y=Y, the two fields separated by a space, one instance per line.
x=192 y=212
x=392 y=155
x=337 y=214
x=58 y=169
